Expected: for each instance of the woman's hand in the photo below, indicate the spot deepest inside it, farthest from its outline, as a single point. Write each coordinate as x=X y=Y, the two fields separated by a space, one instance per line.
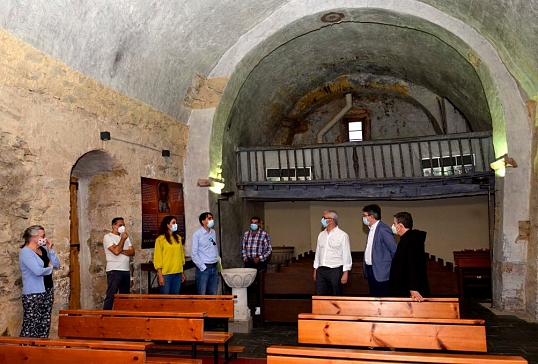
x=161 y=280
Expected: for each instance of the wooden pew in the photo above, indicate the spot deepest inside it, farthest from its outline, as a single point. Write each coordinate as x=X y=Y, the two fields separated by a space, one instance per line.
x=134 y=325
x=393 y=332
x=21 y=350
x=386 y=307
x=215 y=306
x=313 y=355
x=294 y=291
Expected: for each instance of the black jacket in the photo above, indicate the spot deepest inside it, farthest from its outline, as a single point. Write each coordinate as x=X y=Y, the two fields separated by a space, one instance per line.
x=408 y=269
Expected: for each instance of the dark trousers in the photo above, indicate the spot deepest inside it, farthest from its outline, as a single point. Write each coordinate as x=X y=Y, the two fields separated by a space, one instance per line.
x=377 y=289
x=260 y=266
x=118 y=281
x=329 y=281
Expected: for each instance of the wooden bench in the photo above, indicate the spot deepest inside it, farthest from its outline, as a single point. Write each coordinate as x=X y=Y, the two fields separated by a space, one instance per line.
x=313 y=355
x=216 y=307
x=17 y=350
x=393 y=332
x=386 y=307
x=174 y=327
x=294 y=291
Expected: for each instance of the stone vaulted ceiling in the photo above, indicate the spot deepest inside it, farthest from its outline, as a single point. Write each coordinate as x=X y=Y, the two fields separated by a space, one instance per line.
x=150 y=50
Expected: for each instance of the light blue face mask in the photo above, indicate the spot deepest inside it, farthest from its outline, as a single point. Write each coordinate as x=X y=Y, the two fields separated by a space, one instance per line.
x=210 y=224
x=254 y=227
x=174 y=227
x=324 y=222
x=365 y=220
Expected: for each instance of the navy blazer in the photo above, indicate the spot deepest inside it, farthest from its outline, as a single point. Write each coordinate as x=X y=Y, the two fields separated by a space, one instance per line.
x=382 y=252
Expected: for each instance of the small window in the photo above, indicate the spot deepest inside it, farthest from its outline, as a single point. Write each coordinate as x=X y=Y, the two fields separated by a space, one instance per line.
x=355 y=131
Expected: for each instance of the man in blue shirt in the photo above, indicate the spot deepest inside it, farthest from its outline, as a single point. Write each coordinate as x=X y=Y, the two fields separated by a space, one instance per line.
x=205 y=254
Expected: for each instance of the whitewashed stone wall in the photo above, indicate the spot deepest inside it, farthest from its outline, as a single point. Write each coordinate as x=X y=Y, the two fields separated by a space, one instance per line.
x=51 y=116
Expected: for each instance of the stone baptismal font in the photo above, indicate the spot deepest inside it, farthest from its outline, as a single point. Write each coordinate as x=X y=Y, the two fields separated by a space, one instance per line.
x=239 y=279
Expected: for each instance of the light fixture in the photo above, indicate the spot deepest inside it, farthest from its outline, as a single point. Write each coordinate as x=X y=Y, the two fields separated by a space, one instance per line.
x=165 y=153
x=105 y=135
x=502 y=162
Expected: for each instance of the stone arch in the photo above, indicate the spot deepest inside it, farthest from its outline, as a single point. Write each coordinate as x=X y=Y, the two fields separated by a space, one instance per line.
x=511 y=128
x=99 y=174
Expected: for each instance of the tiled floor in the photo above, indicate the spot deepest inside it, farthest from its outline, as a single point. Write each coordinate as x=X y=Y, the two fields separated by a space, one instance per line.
x=506 y=334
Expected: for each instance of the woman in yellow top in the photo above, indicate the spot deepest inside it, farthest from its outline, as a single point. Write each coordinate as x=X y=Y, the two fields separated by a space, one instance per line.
x=169 y=257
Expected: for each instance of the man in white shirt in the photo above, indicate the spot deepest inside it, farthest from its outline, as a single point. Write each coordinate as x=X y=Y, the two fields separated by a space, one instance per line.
x=332 y=262
x=118 y=250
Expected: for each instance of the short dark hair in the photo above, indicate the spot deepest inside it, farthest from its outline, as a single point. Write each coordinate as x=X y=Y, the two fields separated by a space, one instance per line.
x=405 y=219
x=204 y=216
x=255 y=218
x=373 y=210
x=115 y=220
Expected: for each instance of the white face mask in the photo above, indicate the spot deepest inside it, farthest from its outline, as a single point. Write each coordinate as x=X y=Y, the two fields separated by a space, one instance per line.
x=42 y=242
x=121 y=229
x=393 y=228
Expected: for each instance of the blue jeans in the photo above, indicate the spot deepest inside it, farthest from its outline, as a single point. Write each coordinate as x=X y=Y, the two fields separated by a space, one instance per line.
x=172 y=283
x=118 y=280
x=207 y=281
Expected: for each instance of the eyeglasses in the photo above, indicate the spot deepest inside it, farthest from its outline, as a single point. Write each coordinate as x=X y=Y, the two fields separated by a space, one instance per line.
x=212 y=241
x=327 y=218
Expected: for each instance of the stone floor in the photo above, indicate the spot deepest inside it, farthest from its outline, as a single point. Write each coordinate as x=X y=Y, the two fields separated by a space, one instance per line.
x=506 y=334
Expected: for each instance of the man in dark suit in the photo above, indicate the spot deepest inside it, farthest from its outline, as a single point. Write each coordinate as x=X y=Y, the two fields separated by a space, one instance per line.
x=380 y=249
x=408 y=272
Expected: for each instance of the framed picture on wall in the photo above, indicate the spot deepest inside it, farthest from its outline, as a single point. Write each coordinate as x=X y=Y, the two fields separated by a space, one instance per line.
x=160 y=199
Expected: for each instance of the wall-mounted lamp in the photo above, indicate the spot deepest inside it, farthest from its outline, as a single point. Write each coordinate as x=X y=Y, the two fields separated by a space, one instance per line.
x=105 y=135
x=227 y=193
x=165 y=153
x=502 y=162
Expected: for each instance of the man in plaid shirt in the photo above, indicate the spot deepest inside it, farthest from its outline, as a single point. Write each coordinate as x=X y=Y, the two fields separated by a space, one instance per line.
x=256 y=246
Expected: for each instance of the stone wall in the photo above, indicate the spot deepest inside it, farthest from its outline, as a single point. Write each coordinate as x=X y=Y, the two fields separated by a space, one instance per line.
x=50 y=117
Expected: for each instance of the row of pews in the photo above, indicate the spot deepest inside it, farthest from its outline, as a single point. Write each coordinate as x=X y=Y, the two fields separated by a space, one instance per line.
x=292 y=286
x=411 y=332
x=141 y=329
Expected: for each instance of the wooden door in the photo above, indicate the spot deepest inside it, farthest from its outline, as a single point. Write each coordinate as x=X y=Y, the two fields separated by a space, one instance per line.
x=74 y=267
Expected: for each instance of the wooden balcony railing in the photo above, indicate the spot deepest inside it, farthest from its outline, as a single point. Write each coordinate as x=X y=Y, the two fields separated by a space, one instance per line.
x=427 y=157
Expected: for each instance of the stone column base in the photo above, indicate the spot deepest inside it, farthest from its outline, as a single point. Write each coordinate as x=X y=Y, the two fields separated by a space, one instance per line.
x=240 y=326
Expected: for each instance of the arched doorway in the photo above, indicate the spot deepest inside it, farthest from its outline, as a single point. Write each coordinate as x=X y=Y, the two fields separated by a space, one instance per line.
x=83 y=293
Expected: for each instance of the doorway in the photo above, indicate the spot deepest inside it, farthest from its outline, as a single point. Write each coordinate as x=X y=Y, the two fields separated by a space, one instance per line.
x=74 y=247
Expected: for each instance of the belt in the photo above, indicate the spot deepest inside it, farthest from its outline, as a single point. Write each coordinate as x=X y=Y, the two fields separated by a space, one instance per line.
x=210 y=264
x=324 y=268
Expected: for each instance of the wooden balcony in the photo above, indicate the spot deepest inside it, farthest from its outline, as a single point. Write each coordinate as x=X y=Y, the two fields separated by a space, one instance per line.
x=420 y=168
